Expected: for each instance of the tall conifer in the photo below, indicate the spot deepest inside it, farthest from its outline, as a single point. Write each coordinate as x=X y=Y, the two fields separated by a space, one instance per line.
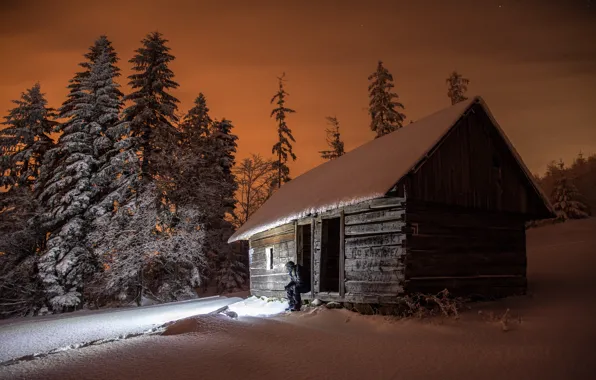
x=283 y=147
x=384 y=106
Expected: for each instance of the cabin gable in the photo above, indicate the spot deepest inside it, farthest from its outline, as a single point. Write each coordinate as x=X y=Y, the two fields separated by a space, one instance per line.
x=473 y=167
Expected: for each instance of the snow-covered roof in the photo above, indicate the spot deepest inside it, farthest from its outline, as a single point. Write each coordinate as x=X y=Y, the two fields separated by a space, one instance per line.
x=364 y=173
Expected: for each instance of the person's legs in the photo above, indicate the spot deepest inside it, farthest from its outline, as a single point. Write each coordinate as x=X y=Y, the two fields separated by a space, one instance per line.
x=297 y=300
x=290 y=291
x=297 y=295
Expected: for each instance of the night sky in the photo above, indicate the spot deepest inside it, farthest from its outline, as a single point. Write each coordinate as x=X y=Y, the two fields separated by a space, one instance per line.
x=534 y=62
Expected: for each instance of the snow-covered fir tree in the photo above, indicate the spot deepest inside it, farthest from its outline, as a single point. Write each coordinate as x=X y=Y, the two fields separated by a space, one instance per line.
x=283 y=147
x=196 y=126
x=65 y=198
x=333 y=140
x=231 y=274
x=70 y=189
x=151 y=116
x=223 y=158
x=102 y=44
x=116 y=178
x=566 y=199
x=24 y=144
x=384 y=106
x=194 y=177
x=20 y=290
x=205 y=181
x=457 y=86
x=26 y=139
x=106 y=99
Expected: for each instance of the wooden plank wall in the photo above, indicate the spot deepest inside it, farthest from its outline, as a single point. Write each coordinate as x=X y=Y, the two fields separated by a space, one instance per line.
x=469 y=252
x=474 y=168
x=271 y=282
x=373 y=251
x=316 y=283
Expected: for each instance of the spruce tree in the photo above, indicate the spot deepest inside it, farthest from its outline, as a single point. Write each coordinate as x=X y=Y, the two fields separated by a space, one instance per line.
x=231 y=274
x=151 y=116
x=205 y=181
x=20 y=291
x=333 y=140
x=24 y=144
x=194 y=176
x=457 y=87
x=196 y=126
x=118 y=165
x=73 y=163
x=384 y=106
x=224 y=152
x=26 y=139
x=566 y=199
x=283 y=147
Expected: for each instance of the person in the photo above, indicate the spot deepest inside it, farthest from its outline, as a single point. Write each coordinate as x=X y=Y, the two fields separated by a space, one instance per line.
x=298 y=284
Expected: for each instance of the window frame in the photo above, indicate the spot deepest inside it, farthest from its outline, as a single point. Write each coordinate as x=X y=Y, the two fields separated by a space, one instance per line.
x=269 y=258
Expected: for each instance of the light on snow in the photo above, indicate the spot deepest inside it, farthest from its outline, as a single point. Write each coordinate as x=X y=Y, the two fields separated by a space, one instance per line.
x=258 y=307
x=61 y=332
x=174 y=314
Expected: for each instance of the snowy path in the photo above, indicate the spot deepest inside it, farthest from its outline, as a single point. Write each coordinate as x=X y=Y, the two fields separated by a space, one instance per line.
x=41 y=335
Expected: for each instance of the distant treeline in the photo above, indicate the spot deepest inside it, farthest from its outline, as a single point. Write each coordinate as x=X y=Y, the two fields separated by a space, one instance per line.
x=572 y=188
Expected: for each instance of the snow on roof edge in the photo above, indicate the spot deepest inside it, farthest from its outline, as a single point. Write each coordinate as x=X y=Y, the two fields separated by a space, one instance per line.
x=307 y=211
x=303 y=214
x=244 y=235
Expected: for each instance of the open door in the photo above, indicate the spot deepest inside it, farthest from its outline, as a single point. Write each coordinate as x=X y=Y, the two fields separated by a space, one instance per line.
x=304 y=249
x=330 y=255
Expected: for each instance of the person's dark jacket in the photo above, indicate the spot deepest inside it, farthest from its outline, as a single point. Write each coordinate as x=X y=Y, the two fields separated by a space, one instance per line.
x=297 y=277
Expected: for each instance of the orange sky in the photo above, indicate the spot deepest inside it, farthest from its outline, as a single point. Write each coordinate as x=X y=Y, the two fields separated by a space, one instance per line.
x=533 y=61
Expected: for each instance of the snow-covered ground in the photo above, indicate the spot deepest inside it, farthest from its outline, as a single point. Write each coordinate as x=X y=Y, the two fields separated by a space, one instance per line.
x=549 y=334
x=28 y=336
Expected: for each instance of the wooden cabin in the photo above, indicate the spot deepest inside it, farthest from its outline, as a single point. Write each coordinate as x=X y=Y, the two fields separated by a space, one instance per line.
x=440 y=203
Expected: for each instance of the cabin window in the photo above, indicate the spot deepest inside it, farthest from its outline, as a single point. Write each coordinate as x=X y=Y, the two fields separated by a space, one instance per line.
x=269 y=255
x=330 y=251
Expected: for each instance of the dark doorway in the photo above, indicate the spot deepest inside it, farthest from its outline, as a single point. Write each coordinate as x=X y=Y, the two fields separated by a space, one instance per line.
x=330 y=255
x=304 y=251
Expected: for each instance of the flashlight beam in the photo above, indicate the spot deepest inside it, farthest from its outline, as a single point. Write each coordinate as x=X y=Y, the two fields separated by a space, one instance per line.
x=40 y=335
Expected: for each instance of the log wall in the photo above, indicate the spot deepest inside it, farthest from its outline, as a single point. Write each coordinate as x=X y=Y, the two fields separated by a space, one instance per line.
x=271 y=282
x=373 y=254
x=468 y=252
